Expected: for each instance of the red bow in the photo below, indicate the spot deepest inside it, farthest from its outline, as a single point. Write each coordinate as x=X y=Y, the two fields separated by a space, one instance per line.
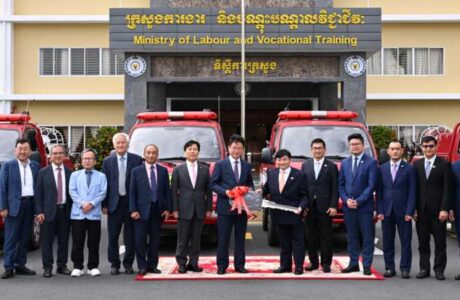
x=237 y=194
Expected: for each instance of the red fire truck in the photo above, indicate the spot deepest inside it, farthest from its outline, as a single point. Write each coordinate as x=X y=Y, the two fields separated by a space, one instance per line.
x=170 y=131
x=295 y=130
x=12 y=127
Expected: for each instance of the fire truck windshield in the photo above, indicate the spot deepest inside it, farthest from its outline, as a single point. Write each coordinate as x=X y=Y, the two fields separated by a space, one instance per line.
x=297 y=140
x=171 y=140
x=8 y=138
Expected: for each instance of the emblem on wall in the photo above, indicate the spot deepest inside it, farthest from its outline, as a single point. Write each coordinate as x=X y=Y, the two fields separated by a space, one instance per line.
x=135 y=66
x=355 y=66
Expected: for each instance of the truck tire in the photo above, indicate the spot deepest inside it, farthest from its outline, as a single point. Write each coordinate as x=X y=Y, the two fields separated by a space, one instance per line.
x=272 y=235
x=265 y=213
x=34 y=240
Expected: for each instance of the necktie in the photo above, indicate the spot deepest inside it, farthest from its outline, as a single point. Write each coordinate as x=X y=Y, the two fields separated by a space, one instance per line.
x=25 y=173
x=235 y=172
x=193 y=174
x=427 y=169
x=393 y=171
x=317 y=169
x=88 y=177
x=355 y=167
x=281 y=180
x=122 y=177
x=59 y=197
x=153 y=183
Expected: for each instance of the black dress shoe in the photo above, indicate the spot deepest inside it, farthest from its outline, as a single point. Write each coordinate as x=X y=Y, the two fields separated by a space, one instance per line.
x=311 y=268
x=241 y=270
x=129 y=270
x=282 y=270
x=63 y=270
x=8 y=274
x=423 y=274
x=47 y=273
x=153 y=270
x=440 y=276
x=194 y=268
x=142 y=272
x=298 y=272
x=350 y=269
x=327 y=269
x=182 y=269
x=221 y=271
x=405 y=275
x=114 y=271
x=24 y=271
x=367 y=271
x=389 y=273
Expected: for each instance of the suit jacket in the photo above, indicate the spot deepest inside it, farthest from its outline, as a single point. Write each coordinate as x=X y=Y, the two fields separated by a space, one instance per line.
x=189 y=200
x=80 y=193
x=322 y=192
x=46 y=191
x=434 y=193
x=360 y=187
x=295 y=193
x=399 y=196
x=456 y=172
x=222 y=179
x=11 y=187
x=110 y=169
x=140 y=192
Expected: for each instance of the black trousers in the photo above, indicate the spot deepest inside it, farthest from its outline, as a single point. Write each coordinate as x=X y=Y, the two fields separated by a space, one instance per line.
x=115 y=221
x=319 y=236
x=292 y=242
x=426 y=226
x=188 y=240
x=60 y=228
x=225 y=224
x=79 y=230
x=147 y=251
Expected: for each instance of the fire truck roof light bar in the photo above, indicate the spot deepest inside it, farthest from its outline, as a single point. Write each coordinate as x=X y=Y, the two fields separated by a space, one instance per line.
x=180 y=115
x=317 y=114
x=14 y=118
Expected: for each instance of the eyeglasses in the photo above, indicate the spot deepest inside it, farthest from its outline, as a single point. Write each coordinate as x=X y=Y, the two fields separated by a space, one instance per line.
x=57 y=153
x=88 y=158
x=430 y=146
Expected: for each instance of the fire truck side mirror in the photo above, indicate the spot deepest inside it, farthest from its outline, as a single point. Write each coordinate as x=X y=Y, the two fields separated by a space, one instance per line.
x=266 y=155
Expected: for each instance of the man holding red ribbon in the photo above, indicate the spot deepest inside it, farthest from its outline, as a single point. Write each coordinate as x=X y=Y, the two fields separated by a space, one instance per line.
x=232 y=179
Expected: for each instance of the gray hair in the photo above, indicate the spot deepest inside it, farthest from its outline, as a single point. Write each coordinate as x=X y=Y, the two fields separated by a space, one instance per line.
x=120 y=134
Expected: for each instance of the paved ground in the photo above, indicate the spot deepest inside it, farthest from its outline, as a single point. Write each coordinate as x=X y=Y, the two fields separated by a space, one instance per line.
x=124 y=286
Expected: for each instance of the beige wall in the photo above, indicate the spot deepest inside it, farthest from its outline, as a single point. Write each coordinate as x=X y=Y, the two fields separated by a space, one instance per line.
x=408 y=7
x=106 y=113
x=413 y=112
x=73 y=7
x=29 y=38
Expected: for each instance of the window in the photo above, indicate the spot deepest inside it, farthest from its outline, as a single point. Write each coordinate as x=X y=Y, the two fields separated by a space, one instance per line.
x=80 y=61
x=407 y=61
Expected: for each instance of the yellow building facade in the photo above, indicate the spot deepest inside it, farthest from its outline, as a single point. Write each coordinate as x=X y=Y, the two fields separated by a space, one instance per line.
x=56 y=63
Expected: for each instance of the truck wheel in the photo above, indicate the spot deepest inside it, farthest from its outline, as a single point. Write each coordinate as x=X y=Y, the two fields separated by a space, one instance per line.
x=34 y=241
x=265 y=219
x=271 y=232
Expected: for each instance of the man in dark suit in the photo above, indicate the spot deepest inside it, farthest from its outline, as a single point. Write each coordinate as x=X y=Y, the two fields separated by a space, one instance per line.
x=227 y=174
x=433 y=204
x=149 y=201
x=53 y=205
x=17 y=182
x=358 y=180
x=396 y=197
x=117 y=168
x=288 y=186
x=192 y=202
x=322 y=177
x=456 y=206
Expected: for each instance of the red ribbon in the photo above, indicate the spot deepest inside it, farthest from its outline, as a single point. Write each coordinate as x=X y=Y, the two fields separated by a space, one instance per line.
x=237 y=194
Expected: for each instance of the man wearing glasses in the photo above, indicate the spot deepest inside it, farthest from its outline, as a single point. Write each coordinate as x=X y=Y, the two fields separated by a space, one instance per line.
x=52 y=206
x=432 y=209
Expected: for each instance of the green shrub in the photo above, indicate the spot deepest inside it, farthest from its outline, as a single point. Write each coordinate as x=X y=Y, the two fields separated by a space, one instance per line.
x=382 y=136
x=102 y=143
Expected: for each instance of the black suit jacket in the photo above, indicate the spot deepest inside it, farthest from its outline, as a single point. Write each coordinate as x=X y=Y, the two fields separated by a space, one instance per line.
x=187 y=199
x=434 y=193
x=322 y=192
x=110 y=169
x=46 y=192
x=294 y=194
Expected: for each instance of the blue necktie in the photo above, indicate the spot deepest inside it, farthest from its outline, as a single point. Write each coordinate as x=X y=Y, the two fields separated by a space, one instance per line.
x=355 y=167
x=153 y=184
x=88 y=177
x=235 y=172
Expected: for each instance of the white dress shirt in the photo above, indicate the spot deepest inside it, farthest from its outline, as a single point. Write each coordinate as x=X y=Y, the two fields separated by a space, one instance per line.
x=317 y=164
x=55 y=173
x=232 y=162
x=192 y=166
x=27 y=190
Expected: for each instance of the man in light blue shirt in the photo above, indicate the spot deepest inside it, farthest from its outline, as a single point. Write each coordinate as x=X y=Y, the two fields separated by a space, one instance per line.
x=87 y=188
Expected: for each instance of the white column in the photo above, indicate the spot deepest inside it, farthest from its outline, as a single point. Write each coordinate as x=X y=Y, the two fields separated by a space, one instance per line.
x=6 y=56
